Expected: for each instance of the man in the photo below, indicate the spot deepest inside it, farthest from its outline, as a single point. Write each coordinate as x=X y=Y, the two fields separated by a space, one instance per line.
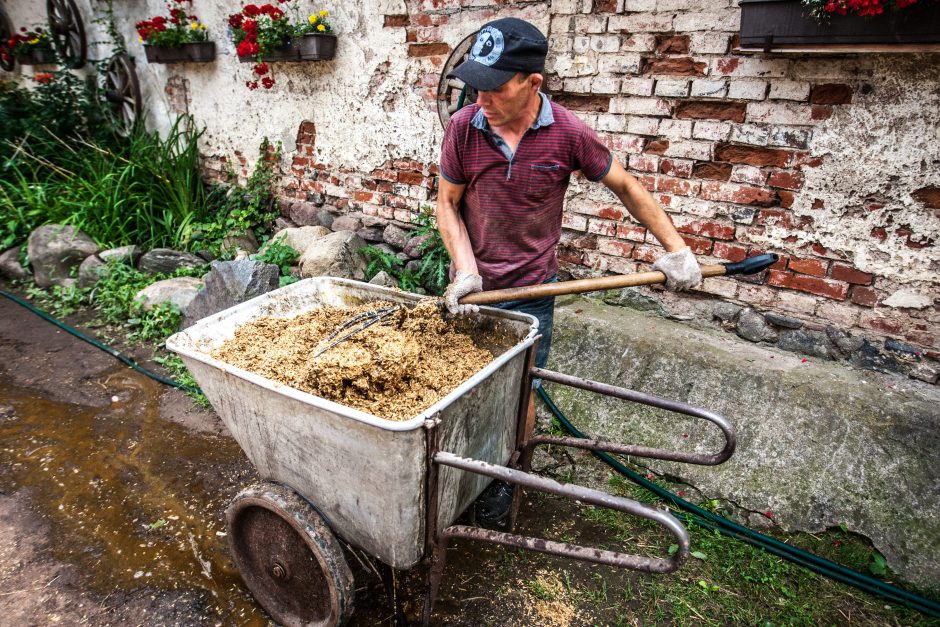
x=505 y=165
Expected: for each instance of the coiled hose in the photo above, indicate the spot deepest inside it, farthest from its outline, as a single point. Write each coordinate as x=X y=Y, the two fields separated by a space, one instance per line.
x=691 y=514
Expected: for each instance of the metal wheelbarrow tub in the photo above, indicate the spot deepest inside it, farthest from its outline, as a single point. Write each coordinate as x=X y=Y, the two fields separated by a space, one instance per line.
x=367 y=475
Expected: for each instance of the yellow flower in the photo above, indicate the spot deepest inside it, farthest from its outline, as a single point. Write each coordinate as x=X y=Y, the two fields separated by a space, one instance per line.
x=34 y=41
x=312 y=19
x=321 y=27
x=140 y=39
x=202 y=26
x=324 y=13
x=194 y=26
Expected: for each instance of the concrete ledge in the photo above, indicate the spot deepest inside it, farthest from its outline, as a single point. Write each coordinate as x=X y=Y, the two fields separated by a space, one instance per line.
x=819 y=444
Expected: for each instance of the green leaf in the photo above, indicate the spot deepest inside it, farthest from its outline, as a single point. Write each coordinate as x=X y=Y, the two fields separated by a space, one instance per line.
x=673 y=548
x=699 y=555
x=879 y=565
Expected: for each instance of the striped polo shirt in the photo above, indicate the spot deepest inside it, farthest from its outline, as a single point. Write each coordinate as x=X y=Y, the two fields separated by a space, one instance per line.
x=513 y=202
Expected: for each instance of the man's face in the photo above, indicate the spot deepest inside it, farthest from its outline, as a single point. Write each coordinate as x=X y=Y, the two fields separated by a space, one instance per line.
x=509 y=101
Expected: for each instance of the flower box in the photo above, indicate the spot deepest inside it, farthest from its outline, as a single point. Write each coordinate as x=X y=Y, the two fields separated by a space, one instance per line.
x=304 y=48
x=194 y=52
x=786 y=24
x=313 y=46
x=36 y=57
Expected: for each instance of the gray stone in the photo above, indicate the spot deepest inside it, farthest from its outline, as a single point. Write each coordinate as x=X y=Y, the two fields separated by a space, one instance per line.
x=178 y=291
x=206 y=255
x=817 y=442
x=92 y=270
x=842 y=341
x=900 y=347
x=394 y=236
x=385 y=279
x=413 y=266
x=413 y=247
x=868 y=356
x=10 y=266
x=245 y=241
x=316 y=198
x=753 y=327
x=633 y=298
x=783 y=321
x=805 y=342
x=167 y=260
x=299 y=238
x=284 y=223
x=925 y=371
x=325 y=218
x=55 y=250
x=229 y=283
x=724 y=311
x=370 y=233
x=385 y=248
x=402 y=257
x=337 y=255
x=373 y=221
x=347 y=223
x=124 y=254
x=305 y=213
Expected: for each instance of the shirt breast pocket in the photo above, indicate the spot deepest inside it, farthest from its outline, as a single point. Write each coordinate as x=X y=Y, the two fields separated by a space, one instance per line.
x=542 y=179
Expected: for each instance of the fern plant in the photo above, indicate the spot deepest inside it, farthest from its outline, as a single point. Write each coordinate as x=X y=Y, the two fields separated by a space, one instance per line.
x=435 y=260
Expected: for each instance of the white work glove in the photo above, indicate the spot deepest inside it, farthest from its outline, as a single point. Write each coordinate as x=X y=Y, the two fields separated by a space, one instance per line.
x=681 y=269
x=464 y=283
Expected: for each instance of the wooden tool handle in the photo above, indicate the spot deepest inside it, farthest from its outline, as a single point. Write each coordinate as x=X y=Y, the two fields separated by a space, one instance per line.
x=576 y=287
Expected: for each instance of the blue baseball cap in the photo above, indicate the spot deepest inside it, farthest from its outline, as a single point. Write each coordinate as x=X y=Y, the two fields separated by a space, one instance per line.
x=503 y=48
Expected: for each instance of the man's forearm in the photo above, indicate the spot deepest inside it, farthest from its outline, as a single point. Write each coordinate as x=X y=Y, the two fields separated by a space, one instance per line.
x=642 y=206
x=456 y=239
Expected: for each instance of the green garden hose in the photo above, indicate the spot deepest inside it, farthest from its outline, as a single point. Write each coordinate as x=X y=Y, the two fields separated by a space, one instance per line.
x=114 y=353
x=692 y=513
x=711 y=521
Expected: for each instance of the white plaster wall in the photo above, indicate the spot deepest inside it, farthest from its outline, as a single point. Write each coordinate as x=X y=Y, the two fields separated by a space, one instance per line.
x=882 y=147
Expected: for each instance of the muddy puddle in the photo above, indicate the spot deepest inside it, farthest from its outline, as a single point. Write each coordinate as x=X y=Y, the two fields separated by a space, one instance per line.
x=132 y=500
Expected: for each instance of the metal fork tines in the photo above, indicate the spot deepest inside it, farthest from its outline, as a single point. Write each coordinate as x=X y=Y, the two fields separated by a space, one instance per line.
x=365 y=320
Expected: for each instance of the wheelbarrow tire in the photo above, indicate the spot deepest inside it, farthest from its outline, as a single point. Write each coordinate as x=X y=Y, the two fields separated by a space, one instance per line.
x=289 y=558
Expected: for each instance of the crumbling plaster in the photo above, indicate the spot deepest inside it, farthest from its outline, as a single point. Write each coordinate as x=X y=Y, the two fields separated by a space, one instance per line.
x=876 y=151
x=343 y=97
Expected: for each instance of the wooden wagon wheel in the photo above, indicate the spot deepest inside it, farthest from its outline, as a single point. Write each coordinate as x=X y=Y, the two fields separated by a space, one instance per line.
x=6 y=31
x=122 y=91
x=289 y=558
x=452 y=93
x=68 y=32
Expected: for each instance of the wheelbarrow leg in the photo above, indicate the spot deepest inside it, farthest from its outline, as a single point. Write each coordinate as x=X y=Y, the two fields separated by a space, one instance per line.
x=391 y=592
x=434 y=574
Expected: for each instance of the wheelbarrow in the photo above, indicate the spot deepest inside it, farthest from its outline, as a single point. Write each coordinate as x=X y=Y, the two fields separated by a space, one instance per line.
x=394 y=489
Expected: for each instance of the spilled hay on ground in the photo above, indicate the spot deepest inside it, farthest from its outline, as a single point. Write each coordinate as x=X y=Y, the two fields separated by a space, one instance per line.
x=393 y=369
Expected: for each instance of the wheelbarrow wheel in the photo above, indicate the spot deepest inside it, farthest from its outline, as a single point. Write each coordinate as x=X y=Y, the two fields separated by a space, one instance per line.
x=289 y=558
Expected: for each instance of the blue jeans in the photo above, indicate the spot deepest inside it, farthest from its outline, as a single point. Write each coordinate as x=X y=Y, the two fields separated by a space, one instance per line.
x=544 y=310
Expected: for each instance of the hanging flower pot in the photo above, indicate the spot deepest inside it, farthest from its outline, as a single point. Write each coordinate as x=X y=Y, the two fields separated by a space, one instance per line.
x=179 y=39
x=313 y=46
x=36 y=56
x=193 y=52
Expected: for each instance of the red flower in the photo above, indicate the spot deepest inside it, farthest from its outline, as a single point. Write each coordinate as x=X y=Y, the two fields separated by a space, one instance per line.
x=251 y=10
x=268 y=82
x=43 y=78
x=235 y=20
x=276 y=13
x=247 y=48
x=261 y=69
x=252 y=85
x=159 y=20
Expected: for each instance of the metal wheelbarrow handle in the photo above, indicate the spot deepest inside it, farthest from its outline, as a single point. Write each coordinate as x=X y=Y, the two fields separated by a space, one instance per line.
x=704 y=459
x=578 y=493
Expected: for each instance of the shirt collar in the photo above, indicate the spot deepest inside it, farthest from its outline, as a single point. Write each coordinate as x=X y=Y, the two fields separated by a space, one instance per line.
x=544 y=118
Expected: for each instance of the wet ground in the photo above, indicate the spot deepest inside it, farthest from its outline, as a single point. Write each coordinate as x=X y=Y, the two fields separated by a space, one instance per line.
x=113 y=489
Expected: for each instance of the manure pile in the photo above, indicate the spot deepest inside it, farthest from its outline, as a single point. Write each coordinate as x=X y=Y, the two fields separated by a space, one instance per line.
x=395 y=368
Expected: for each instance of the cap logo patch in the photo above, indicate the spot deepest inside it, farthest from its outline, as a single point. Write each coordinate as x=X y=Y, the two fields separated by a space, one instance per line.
x=488 y=46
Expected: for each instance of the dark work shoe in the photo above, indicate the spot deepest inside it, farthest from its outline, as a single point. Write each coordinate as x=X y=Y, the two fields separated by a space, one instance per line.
x=491 y=509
